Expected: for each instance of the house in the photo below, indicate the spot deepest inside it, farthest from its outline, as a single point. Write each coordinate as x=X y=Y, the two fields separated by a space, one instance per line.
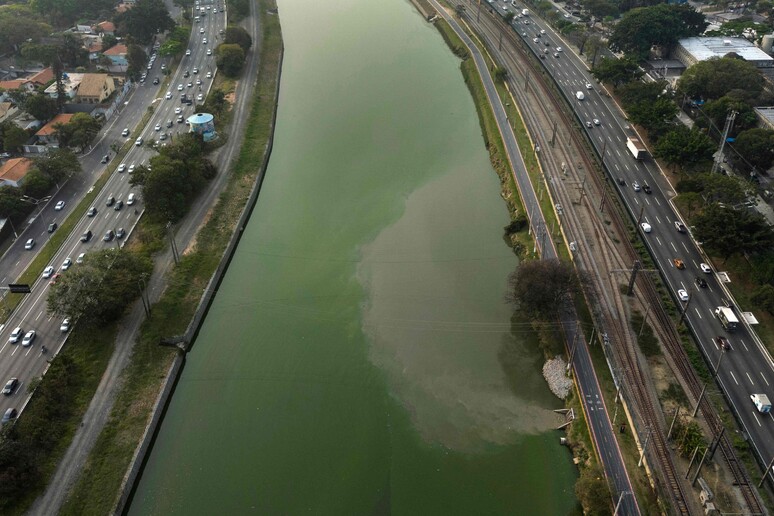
x=117 y=55
x=95 y=88
x=17 y=84
x=13 y=171
x=31 y=83
x=690 y=51
x=7 y=110
x=105 y=27
x=43 y=77
x=83 y=29
x=70 y=83
x=93 y=46
x=47 y=133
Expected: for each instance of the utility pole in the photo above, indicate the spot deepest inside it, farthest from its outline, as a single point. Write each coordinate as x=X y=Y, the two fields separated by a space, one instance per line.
x=633 y=278
x=766 y=473
x=685 y=309
x=677 y=413
x=172 y=244
x=729 y=123
x=644 y=447
x=574 y=346
x=698 y=470
x=620 y=499
x=698 y=402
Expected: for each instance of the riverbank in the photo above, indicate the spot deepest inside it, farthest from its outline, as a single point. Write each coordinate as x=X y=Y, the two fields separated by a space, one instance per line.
x=121 y=445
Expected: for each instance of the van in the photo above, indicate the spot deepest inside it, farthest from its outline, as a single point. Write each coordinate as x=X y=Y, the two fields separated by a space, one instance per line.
x=130 y=199
x=138 y=141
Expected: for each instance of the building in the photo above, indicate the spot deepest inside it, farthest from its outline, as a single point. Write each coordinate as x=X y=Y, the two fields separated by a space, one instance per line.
x=31 y=83
x=117 y=55
x=203 y=124
x=692 y=50
x=95 y=88
x=105 y=27
x=47 y=134
x=70 y=83
x=13 y=172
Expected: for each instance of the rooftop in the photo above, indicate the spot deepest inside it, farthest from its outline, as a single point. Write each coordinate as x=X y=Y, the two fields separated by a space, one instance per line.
x=15 y=169
x=117 y=50
x=703 y=48
x=92 y=84
x=49 y=129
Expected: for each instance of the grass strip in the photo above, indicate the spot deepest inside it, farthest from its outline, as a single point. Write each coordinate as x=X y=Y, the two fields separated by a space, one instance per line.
x=97 y=488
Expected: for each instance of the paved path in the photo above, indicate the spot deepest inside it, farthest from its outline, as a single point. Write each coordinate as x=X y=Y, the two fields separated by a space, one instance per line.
x=590 y=391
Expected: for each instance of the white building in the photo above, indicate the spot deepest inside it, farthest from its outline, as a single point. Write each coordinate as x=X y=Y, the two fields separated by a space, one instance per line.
x=692 y=50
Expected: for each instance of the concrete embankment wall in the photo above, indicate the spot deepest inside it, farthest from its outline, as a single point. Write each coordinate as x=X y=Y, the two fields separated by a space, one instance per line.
x=135 y=467
x=424 y=8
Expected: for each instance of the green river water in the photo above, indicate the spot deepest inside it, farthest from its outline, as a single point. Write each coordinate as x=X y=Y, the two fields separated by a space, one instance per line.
x=359 y=356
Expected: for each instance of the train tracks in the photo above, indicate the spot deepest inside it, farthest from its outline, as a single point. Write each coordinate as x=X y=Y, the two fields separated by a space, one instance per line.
x=539 y=112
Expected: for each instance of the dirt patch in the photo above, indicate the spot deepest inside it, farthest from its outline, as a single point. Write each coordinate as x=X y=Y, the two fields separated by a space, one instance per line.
x=230 y=98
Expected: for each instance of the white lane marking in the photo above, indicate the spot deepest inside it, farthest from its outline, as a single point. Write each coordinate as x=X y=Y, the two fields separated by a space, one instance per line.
x=756 y=418
x=15 y=349
x=28 y=351
x=686 y=248
x=3 y=348
x=626 y=166
x=673 y=247
x=764 y=378
x=657 y=201
x=698 y=313
x=750 y=378
x=658 y=219
x=659 y=241
x=38 y=317
x=734 y=377
x=745 y=345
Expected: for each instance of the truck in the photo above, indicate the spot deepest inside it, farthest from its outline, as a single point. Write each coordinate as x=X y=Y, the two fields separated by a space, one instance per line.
x=525 y=12
x=727 y=318
x=636 y=147
x=762 y=403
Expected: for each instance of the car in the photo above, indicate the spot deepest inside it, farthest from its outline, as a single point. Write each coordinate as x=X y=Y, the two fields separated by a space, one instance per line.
x=535 y=40
x=155 y=80
x=700 y=282
x=54 y=279
x=163 y=67
x=195 y=70
x=162 y=136
x=204 y=41
x=150 y=65
x=130 y=200
x=109 y=236
x=189 y=85
x=596 y=121
x=168 y=95
x=65 y=326
x=588 y=124
x=29 y=244
x=559 y=49
x=198 y=82
x=16 y=334
x=636 y=186
x=679 y=226
x=121 y=168
x=179 y=119
x=621 y=181
x=110 y=200
x=556 y=54
x=646 y=188
x=10 y=386
x=679 y=263
x=683 y=295
x=170 y=123
x=52 y=227
x=86 y=236
x=646 y=227
x=188 y=52
x=119 y=205
x=209 y=75
x=723 y=343
x=105 y=158
x=67 y=263
x=201 y=30
x=179 y=87
x=28 y=338
x=542 y=31
x=120 y=233
x=209 y=51
x=9 y=415
x=80 y=258
x=178 y=110
x=48 y=272
x=59 y=206
x=705 y=268
x=157 y=127
x=199 y=97
x=138 y=141
x=588 y=86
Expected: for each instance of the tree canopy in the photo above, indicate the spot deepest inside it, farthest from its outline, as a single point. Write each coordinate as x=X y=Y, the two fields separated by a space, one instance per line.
x=715 y=77
x=756 y=146
x=64 y=13
x=18 y=24
x=718 y=110
x=137 y=58
x=59 y=164
x=728 y=231
x=144 y=20
x=617 y=71
x=230 y=58
x=655 y=116
x=660 y=25
x=99 y=290
x=542 y=286
x=236 y=35
x=79 y=132
x=685 y=148
x=713 y=188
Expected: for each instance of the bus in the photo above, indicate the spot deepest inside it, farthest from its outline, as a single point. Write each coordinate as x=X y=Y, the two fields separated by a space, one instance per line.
x=727 y=318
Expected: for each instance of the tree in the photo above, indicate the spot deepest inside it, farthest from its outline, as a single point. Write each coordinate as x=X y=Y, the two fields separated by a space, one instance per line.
x=459 y=10
x=18 y=24
x=14 y=137
x=144 y=20
x=718 y=110
x=654 y=116
x=660 y=25
x=37 y=184
x=682 y=147
x=40 y=106
x=230 y=59
x=727 y=231
x=617 y=71
x=11 y=204
x=601 y=8
x=715 y=77
x=592 y=491
x=757 y=147
x=501 y=74
x=99 y=290
x=638 y=91
x=59 y=165
x=79 y=132
x=65 y=13
x=763 y=297
x=109 y=41
x=735 y=28
x=137 y=58
x=541 y=287
x=171 y=48
x=721 y=188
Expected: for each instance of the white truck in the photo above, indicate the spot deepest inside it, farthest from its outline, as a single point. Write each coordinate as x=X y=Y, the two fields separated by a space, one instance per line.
x=525 y=12
x=727 y=318
x=636 y=147
x=762 y=403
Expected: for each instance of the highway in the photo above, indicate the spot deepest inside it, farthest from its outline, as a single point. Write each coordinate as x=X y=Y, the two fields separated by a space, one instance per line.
x=27 y=363
x=591 y=395
x=745 y=369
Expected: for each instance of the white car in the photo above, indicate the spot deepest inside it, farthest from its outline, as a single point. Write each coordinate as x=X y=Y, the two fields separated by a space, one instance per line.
x=48 y=272
x=29 y=244
x=636 y=186
x=646 y=227
x=65 y=326
x=59 y=206
x=558 y=49
x=16 y=334
x=157 y=128
x=682 y=294
x=178 y=110
x=188 y=52
x=131 y=168
x=179 y=87
x=588 y=85
x=596 y=121
x=705 y=268
x=28 y=338
x=199 y=97
x=80 y=258
x=67 y=263
x=122 y=167
x=125 y=132
x=195 y=71
x=201 y=30
x=168 y=95
x=198 y=82
x=209 y=51
x=204 y=41
x=209 y=75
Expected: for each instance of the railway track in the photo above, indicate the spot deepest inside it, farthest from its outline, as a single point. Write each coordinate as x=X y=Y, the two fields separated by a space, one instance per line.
x=641 y=400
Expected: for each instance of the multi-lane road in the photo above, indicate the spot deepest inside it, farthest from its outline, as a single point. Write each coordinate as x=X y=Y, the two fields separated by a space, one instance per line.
x=27 y=363
x=745 y=369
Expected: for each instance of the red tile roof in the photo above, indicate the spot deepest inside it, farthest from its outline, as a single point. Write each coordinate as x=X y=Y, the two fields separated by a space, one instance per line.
x=118 y=50
x=49 y=129
x=15 y=169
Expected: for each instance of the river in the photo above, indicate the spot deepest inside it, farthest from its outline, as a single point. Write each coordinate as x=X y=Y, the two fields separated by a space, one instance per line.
x=359 y=357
